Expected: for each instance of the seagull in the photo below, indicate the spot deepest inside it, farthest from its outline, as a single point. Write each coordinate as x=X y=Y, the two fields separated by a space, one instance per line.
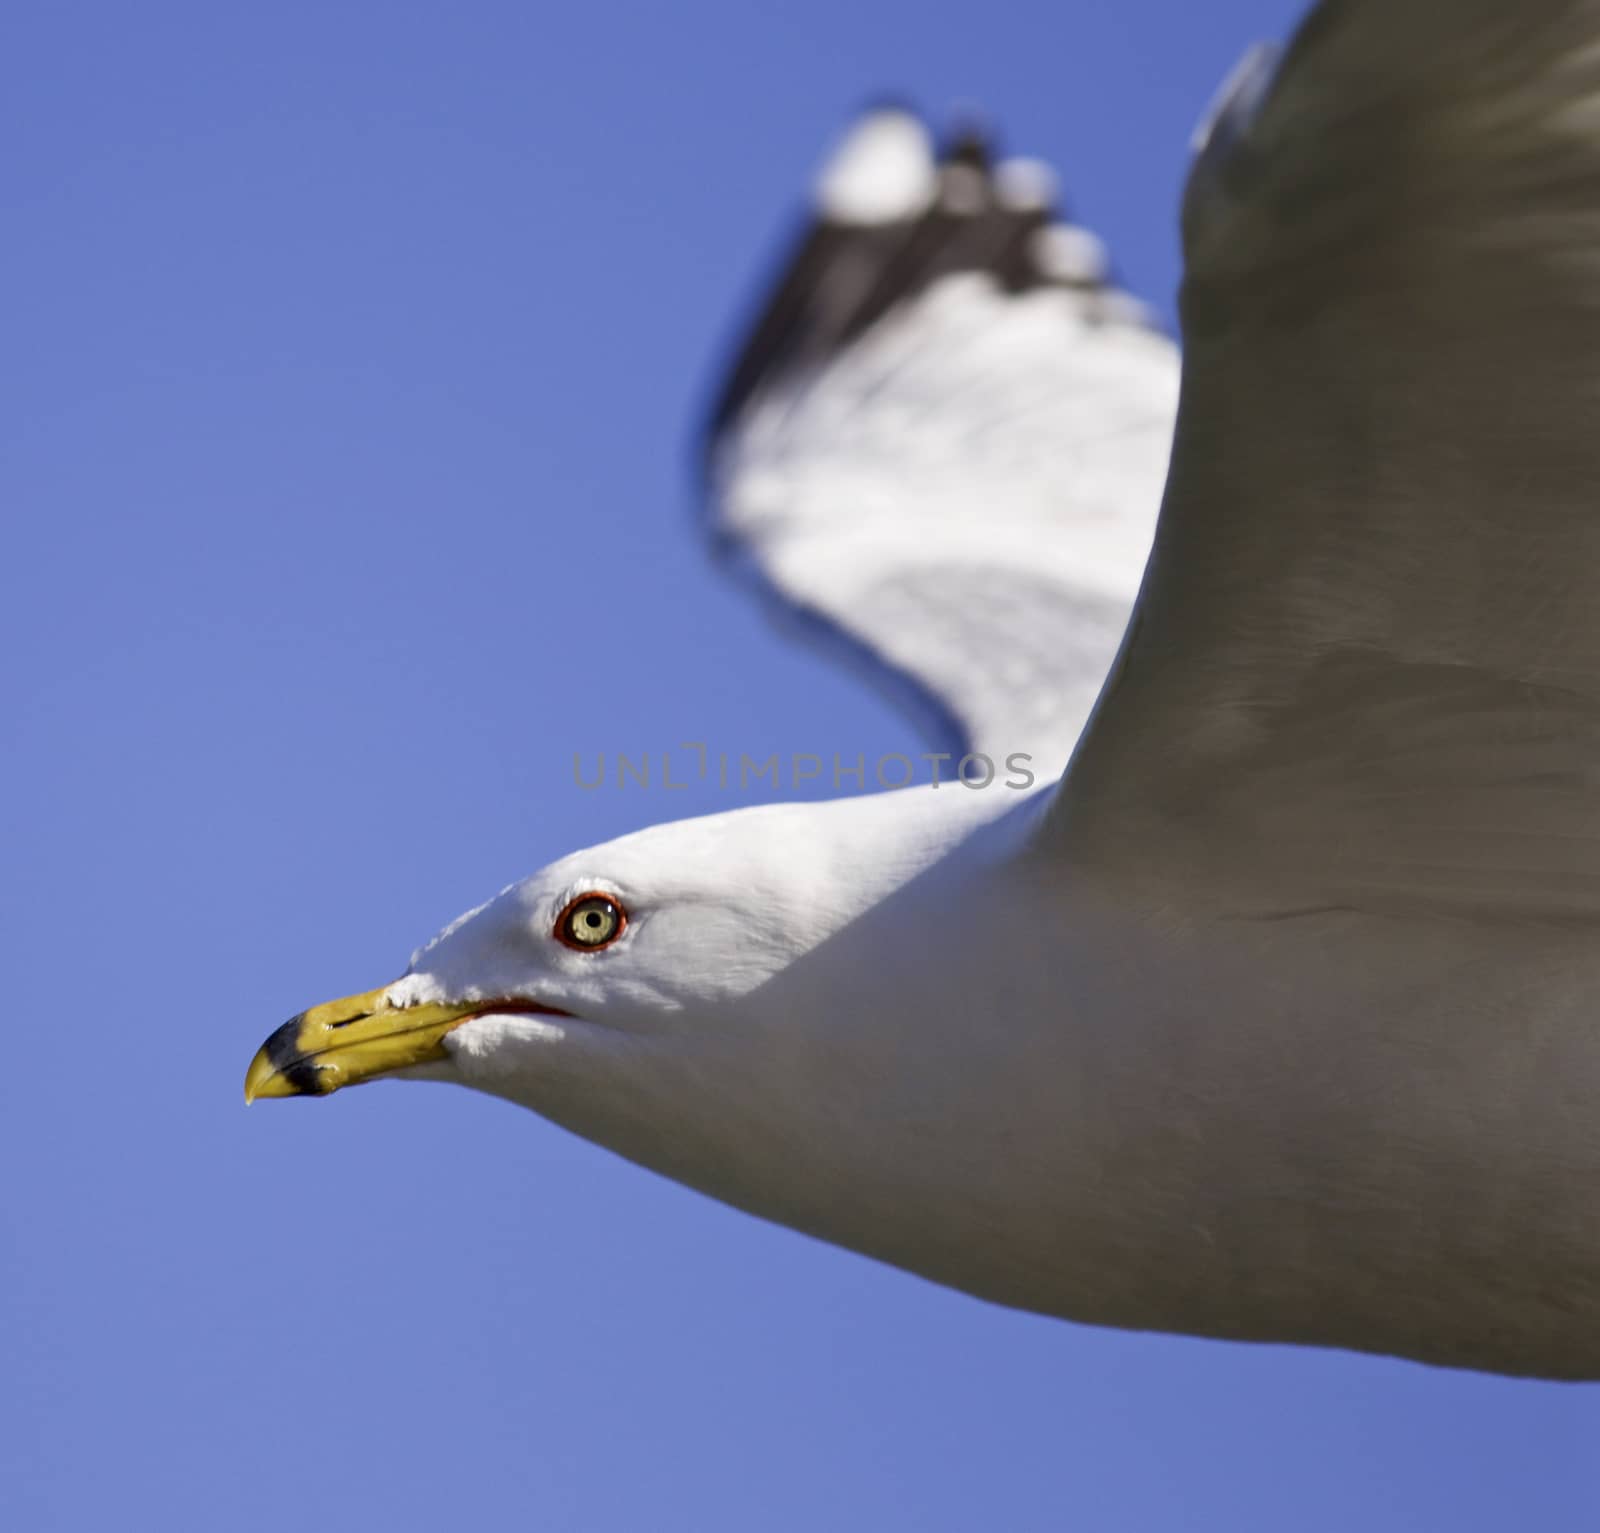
x=1268 y=1012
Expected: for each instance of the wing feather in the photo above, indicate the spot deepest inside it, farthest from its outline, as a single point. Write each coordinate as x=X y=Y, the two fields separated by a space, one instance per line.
x=942 y=445
x=1365 y=665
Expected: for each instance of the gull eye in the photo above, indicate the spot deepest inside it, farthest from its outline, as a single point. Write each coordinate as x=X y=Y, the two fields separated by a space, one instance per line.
x=591 y=922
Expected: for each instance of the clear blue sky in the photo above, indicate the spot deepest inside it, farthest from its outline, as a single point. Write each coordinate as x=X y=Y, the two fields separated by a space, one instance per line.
x=350 y=354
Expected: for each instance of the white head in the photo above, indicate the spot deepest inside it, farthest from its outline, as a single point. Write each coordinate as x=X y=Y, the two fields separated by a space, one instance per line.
x=770 y=1005
x=677 y=921
x=666 y=934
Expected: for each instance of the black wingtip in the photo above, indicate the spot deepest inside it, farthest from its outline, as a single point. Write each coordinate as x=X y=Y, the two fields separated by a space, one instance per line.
x=847 y=270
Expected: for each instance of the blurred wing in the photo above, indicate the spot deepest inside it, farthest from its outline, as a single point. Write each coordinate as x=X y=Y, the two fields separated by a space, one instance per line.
x=1364 y=671
x=942 y=445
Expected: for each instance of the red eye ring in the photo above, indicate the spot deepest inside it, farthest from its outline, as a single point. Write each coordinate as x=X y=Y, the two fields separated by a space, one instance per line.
x=591 y=922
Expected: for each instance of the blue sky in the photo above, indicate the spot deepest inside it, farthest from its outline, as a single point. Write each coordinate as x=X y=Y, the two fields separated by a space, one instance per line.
x=349 y=359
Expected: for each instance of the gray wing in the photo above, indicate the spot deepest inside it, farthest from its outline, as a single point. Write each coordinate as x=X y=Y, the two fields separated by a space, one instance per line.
x=1364 y=668
x=941 y=447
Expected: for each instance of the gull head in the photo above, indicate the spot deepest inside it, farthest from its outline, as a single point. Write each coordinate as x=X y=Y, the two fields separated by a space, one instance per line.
x=783 y=1007
x=661 y=937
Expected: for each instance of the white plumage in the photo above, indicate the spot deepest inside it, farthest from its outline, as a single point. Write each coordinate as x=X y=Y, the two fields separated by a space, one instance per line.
x=1273 y=1019
x=966 y=491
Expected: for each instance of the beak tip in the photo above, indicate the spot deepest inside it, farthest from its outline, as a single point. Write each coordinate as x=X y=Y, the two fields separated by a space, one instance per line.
x=343 y=1043
x=262 y=1078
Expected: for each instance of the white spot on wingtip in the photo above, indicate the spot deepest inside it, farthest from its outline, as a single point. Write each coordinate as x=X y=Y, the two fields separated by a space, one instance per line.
x=1024 y=186
x=883 y=171
x=1064 y=253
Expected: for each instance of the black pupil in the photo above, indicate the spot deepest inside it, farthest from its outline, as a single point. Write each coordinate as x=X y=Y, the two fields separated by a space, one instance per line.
x=593 y=922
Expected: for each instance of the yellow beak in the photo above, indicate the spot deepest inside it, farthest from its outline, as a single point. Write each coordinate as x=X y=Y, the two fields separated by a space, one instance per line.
x=346 y=1042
